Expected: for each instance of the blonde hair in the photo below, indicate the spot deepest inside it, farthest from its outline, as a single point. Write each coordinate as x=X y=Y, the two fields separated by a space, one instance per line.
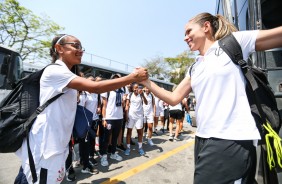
x=221 y=27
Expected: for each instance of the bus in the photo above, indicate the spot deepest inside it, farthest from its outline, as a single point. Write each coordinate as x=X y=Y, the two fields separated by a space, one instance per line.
x=11 y=68
x=252 y=15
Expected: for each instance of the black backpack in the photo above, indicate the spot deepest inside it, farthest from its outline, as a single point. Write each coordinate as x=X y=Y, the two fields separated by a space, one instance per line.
x=260 y=96
x=18 y=111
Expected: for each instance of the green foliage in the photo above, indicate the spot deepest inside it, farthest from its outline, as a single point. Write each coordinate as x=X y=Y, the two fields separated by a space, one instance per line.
x=25 y=32
x=179 y=65
x=170 y=69
x=157 y=68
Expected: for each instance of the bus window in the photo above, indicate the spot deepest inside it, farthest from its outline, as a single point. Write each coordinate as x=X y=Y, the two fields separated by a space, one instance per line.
x=273 y=58
x=104 y=74
x=17 y=69
x=2 y=77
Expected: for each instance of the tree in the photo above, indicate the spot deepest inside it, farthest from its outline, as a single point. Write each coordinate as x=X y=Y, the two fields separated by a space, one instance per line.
x=27 y=33
x=157 y=68
x=179 y=66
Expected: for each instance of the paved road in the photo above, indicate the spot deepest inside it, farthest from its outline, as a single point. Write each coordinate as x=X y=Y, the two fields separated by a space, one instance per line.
x=166 y=162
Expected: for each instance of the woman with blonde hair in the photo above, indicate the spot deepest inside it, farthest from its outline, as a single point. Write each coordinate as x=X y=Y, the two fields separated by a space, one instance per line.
x=226 y=130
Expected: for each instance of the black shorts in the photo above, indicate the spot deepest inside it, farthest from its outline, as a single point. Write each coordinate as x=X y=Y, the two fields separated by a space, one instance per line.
x=224 y=161
x=175 y=114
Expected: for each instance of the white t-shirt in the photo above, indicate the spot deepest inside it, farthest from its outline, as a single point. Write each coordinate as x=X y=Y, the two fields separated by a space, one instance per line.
x=176 y=107
x=113 y=111
x=136 y=106
x=51 y=131
x=222 y=109
x=90 y=102
x=148 y=109
x=159 y=104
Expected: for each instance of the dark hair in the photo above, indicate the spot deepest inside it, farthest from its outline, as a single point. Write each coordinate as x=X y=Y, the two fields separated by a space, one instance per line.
x=115 y=75
x=53 y=52
x=89 y=75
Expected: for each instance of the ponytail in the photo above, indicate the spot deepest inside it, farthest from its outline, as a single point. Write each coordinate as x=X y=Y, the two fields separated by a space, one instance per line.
x=58 y=39
x=220 y=26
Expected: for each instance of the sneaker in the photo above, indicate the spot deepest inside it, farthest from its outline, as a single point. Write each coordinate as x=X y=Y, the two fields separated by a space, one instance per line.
x=141 y=151
x=70 y=175
x=175 y=139
x=170 y=138
x=154 y=132
x=89 y=170
x=116 y=157
x=104 y=161
x=121 y=147
x=92 y=161
x=150 y=142
x=127 y=152
x=76 y=164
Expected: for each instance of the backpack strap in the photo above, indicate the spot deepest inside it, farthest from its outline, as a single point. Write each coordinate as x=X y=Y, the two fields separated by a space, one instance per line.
x=232 y=48
x=190 y=70
x=27 y=124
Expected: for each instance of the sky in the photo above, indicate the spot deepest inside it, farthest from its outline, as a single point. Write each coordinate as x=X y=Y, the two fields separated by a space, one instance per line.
x=124 y=31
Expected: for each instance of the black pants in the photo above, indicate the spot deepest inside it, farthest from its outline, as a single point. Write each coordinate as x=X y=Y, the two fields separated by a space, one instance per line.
x=105 y=135
x=94 y=127
x=21 y=178
x=219 y=161
x=69 y=158
x=84 y=152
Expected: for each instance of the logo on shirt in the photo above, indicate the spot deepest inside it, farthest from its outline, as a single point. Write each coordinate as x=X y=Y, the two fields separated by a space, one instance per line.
x=61 y=174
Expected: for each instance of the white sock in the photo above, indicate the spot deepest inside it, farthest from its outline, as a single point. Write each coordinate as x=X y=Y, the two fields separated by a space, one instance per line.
x=97 y=140
x=128 y=146
x=140 y=144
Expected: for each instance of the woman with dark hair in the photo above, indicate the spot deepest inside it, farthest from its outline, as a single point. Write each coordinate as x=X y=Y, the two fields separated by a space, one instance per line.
x=51 y=131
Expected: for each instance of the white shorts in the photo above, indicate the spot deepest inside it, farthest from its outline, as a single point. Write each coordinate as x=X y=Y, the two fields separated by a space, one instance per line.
x=138 y=123
x=159 y=112
x=54 y=175
x=149 y=119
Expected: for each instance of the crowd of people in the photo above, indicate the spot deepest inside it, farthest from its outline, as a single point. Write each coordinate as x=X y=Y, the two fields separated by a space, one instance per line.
x=115 y=114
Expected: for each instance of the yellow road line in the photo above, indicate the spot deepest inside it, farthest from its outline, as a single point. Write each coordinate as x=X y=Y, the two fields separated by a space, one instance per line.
x=146 y=165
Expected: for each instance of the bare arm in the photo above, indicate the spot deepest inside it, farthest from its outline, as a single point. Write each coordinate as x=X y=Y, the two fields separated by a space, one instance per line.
x=269 y=39
x=172 y=98
x=83 y=84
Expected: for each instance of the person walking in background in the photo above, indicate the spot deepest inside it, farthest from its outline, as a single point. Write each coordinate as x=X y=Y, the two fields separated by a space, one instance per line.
x=175 y=115
x=50 y=134
x=93 y=103
x=149 y=110
x=159 y=114
x=226 y=130
x=86 y=101
x=166 y=116
x=112 y=122
x=134 y=107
